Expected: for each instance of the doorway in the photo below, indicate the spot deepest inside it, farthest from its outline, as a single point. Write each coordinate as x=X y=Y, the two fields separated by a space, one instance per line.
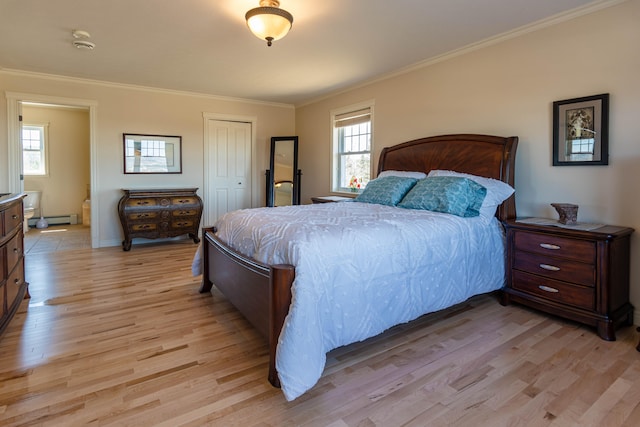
x=16 y=102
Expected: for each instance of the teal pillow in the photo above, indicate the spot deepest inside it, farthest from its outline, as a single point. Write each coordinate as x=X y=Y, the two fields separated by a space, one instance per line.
x=448 y=194
x=388 y=190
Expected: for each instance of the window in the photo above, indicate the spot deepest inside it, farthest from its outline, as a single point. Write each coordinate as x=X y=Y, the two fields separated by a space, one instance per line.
x=352 y=147
x=34 y=161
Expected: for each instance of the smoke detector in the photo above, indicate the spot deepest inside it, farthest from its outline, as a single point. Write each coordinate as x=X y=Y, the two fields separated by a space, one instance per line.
x=82 y=40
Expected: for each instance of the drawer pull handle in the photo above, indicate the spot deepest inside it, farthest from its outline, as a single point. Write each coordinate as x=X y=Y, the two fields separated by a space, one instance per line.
x=14 y=216
x=549 y=246
x=548 y=289
x=549 y=267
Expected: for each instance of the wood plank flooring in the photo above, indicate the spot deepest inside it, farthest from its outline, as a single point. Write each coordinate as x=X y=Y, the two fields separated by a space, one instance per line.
x=113 y=338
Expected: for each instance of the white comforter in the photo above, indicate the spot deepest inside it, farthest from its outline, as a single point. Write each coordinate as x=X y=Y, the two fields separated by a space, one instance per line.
x=362 y=268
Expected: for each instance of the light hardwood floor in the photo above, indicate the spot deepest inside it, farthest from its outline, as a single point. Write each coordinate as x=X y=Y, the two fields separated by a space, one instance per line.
x=124 y=338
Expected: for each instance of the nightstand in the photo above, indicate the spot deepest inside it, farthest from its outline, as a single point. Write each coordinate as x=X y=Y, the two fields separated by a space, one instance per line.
x=329 y=199
x=578 y=275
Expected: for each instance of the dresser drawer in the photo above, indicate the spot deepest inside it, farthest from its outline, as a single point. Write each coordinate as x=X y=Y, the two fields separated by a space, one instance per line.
x=143 y=227
x=14 y=250
x=185 y=201
x=136 y=203
x=185 y=212
x=12 y=218
x=137 y=216
x=555 y=268
x=14 y=282
x=182 y=223
x=553 y=290
x=550 y=245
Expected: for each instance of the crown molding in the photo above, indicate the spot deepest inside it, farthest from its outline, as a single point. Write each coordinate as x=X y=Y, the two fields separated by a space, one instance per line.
x=520 y=31
x=126 y=86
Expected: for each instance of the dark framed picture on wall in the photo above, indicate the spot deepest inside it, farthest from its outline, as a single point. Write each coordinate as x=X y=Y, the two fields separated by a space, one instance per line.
x=152 y=153
x=581 y=131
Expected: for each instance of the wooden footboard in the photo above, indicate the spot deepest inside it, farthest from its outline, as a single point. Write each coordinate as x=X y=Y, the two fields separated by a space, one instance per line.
x=262 y=293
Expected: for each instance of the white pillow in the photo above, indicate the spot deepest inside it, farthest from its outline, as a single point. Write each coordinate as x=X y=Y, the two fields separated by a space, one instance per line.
x=497 y=191
x=403 y=174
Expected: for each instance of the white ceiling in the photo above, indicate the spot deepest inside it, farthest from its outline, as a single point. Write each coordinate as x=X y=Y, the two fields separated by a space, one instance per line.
x=204 y=46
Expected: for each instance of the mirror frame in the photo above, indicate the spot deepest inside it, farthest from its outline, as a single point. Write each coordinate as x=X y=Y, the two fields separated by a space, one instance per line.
x=295 y=179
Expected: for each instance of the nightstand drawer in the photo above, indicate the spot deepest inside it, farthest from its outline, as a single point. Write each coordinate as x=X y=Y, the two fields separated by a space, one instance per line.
x=550 y=245
x=555 y=268
x=554 y=290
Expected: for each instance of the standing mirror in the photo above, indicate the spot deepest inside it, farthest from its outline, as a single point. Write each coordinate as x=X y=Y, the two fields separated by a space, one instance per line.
x=283 y=177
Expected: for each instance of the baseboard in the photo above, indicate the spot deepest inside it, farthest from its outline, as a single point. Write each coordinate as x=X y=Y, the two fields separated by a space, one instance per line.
x=71 y=219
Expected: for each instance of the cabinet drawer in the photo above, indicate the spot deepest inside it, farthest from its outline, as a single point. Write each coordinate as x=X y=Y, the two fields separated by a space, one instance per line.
x=143 y=227
x=142 y=202
x=137 y=216
x=546 y=244
x=565 y=293
x=184 y=201
x=14 y=250
x=14 y=281
x=555 y=268
x=12 y=218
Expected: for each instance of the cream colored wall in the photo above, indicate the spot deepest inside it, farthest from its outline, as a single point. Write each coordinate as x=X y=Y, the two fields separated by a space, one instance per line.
x=125 y=109
x=508 y=89
x=65 y=186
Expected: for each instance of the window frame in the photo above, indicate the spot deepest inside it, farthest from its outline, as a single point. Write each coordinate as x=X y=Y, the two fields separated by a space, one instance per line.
x=44 y=148
x=336 y=143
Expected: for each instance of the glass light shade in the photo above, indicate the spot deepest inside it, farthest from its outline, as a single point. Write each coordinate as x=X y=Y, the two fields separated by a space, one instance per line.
x=269 y=23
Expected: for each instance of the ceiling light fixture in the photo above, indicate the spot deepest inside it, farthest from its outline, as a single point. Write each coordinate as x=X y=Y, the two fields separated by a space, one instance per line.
x=81 y=40
x=269 y=22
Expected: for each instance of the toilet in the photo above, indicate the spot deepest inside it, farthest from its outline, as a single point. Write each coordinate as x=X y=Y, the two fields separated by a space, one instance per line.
x=31 y=207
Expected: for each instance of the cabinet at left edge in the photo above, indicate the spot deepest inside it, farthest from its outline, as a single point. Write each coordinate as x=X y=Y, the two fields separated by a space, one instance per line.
x=13 y=286
x=161 y=213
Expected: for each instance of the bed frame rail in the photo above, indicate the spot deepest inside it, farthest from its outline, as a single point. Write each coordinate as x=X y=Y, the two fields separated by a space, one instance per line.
x=247 y=285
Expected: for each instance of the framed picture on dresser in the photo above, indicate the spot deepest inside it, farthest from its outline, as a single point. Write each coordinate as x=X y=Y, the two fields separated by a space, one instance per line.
x=581 y=131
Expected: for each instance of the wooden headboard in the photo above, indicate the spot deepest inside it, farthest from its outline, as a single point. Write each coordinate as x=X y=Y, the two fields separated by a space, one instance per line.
x=483 y=155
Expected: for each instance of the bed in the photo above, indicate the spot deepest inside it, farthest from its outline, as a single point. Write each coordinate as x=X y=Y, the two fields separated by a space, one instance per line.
x=307 y=302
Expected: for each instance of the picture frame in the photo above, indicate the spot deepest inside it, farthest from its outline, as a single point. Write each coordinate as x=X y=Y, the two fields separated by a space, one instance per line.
x=149 y=154
x=581 y=131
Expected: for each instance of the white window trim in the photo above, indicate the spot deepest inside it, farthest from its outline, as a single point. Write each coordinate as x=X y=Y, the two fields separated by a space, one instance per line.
x=45 y=136
x=333 y=178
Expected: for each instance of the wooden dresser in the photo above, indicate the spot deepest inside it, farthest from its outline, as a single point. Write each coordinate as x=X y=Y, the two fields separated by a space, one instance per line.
x=579 y=275
x=13 y=286
x=154 y=214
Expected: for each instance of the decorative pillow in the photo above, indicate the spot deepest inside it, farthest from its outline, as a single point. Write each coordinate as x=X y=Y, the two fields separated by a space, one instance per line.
x=448 y=194
x=403 y=174
x=497 y=191
x=388 y=190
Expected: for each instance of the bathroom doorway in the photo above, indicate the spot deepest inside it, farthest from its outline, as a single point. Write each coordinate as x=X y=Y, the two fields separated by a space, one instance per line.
x=55 y=145
x=66 y=188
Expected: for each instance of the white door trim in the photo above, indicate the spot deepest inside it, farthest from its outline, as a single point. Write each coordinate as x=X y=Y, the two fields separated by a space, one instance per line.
x=15 y=151
x=255 y=195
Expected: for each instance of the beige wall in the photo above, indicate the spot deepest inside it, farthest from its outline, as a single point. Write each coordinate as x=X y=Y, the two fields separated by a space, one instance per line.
x=66 y=184
x=508 y=89
x=123 y=109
